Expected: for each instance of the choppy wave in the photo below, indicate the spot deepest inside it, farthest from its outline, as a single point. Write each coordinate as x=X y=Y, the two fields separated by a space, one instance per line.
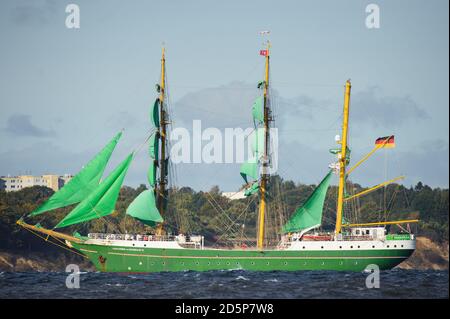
x=397 y=283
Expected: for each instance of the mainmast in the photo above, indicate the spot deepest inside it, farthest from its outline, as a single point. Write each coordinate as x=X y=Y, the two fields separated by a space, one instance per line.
x=265 y=162
x=343 y=158
x=161 y=191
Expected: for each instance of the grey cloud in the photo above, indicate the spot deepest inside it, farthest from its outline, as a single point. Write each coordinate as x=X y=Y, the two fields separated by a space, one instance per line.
x=20 y=125
x=386 y=111
x=33 y=13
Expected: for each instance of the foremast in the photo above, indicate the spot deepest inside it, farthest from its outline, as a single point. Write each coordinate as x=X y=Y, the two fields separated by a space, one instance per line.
x=343 y=158
x=265 y=162
x=162 y=182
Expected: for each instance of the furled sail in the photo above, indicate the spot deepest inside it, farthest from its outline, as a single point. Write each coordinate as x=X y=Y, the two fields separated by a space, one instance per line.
x=102 y=200
x=154 y=114
x=144 y=209
x=152 y=174
x=154 y=145
x=309 y=215
x=258 y=110
x=82 y=184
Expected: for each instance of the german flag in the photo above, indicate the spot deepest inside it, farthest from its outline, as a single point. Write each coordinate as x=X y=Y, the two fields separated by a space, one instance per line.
x=386 y=141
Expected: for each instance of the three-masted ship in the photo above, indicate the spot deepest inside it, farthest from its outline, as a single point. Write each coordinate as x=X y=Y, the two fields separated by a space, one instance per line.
x=351 y=247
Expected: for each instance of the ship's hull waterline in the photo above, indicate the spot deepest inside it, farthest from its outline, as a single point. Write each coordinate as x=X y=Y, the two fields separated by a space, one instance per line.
x=146 y=260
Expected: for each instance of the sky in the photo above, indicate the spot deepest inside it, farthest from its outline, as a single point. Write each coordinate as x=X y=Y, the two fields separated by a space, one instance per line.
x=64 y=93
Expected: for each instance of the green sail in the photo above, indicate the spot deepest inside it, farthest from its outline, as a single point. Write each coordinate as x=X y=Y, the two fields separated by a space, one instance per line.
x=258 y=110
x=154 y=114
x=152 y=174
x=252 y=189
x=258 y=141
x=82 y=184
x=309 y=215
x=144 y=209
x=102 y=200
x=154 y=145
x=249 y=168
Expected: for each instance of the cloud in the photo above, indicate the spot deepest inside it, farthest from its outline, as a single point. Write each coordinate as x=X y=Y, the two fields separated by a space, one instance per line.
x=20 y=125
x=386 y=111
x=33 y=13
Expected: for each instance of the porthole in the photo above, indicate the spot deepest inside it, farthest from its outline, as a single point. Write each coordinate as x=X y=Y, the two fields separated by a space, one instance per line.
x=321 y=247
x=182 y=263
x=228 y=262
x=209 y=263
x=218 y=263
x=373 y=246
x=133 y=244
x=145 y=245
x=402 y=246
x=395 y=246
x=304 y=247
x=340 y=247
x=268 y=263
x=197 y=263
x=341 y=263
x=304 y=263
x=152 y=263
x=163 y=262
x=359 y=246
x=285 y=263
x=254 y=263
x=237 y=263
x=387 y=246
x=323 y=263
x=351 y=246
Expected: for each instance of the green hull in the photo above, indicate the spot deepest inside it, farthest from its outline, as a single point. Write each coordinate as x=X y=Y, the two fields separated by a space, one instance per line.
x=145 y=260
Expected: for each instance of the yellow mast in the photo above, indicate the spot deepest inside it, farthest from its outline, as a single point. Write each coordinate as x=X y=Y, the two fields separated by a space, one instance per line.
x=162 y=163
x=264 y=175
x=342 y=158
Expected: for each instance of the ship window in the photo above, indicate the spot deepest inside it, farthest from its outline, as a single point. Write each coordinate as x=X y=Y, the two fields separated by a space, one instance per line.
x=387 y=246
x=402 y=245
x=340 y=247
x=145 y=245
x=254 y=263
x=357 y=232
x=228 y=263
x=359 y=246
x=304 y=247
x=395 y=246
x=285 y=263
x=209 y=263
x=351 y=246
x=373 y=246
x=321 y=247
x=196 y=262
x=163 y=262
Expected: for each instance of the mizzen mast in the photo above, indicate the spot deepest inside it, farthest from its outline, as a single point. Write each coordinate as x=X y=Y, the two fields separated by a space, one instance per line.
x=343 y=157
x=161 y=190
x=265 y=161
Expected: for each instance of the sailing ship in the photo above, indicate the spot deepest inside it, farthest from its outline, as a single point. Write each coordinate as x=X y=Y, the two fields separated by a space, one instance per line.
x=351 y=247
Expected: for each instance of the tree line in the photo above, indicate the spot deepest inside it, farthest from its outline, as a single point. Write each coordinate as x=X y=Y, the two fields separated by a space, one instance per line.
x=225 y=221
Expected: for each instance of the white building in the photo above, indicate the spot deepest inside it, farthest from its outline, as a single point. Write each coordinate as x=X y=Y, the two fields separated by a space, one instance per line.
x=16 y=183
